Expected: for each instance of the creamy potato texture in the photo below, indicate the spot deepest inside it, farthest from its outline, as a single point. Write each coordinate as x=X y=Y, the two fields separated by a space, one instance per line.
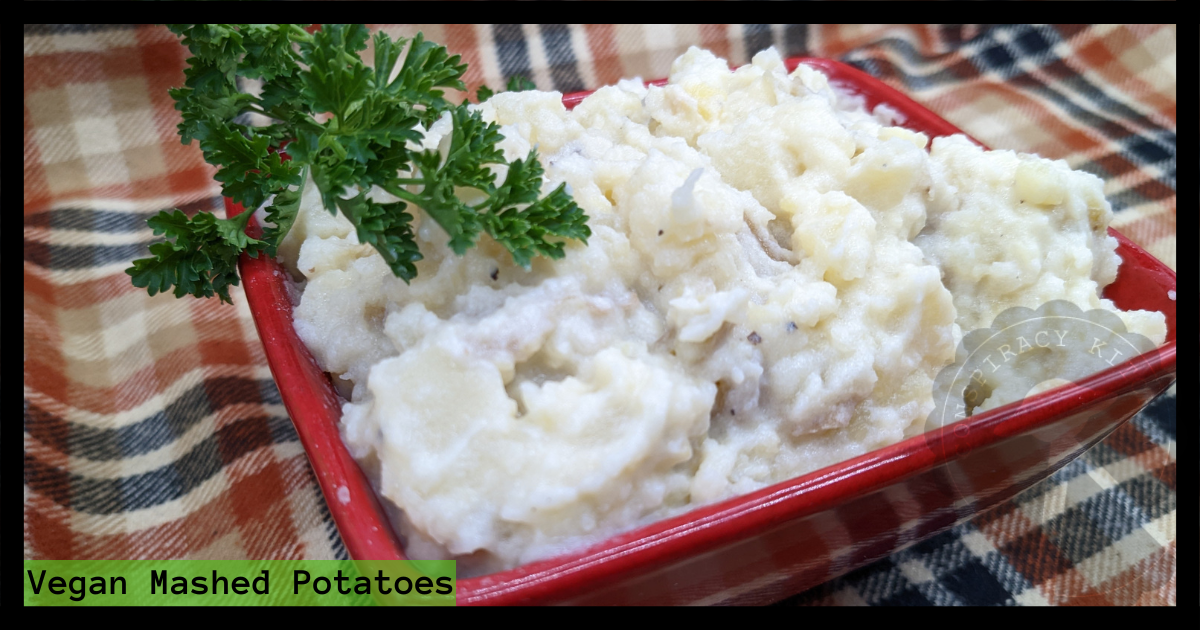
x=773 y=280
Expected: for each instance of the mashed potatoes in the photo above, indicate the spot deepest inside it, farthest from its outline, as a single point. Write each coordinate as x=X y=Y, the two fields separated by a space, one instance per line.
x=773 y=280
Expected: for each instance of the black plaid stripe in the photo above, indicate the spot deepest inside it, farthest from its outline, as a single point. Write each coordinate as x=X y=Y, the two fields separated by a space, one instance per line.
x=564 y=71
x=1151 y=497
x=511 y=50
x=187 y=472
x=942 y=554
x=110 y=221
x=1156 y=147
x=62 y=257
x=105 y=221
x=795 y=39
x=173 y=480
x=1102 y=455
x=757 y=37
x=1157 y=420
x=65 y=29
x=884 y=583
x=1137 y=195
x=1076 y=535
x=1115 y=514
x=998 y=566
x=958 y=577
x=972 y=583
x=331 y=532
x=59 y=256
x=1071 y=470
x=151 y=433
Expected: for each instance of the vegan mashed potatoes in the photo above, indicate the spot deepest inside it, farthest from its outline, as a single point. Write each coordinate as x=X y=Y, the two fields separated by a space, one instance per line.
x=773 y=280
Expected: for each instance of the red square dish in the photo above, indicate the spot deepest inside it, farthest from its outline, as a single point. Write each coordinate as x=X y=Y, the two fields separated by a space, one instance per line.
x=787 y=537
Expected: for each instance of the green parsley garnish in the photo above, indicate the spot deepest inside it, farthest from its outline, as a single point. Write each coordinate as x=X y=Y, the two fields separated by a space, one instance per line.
x=517 y=83
x=347 y=126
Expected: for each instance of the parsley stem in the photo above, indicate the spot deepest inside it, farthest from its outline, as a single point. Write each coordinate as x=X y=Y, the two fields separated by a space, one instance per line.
x=299 y=34
x=396 y=191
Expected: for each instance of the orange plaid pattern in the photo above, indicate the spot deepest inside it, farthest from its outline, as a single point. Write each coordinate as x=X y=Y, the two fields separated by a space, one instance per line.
x=153 y=428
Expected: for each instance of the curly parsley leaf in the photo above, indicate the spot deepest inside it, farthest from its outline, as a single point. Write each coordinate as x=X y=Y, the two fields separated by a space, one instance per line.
x=516 y=83
x=387 y=228
x=526 y=230
x=348 y=127
x=512 y=213
x=427 y=67
x=281 y=214
x=198 y=257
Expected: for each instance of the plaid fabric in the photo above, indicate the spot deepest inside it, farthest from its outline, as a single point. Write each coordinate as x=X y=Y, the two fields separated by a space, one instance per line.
x=153 y=428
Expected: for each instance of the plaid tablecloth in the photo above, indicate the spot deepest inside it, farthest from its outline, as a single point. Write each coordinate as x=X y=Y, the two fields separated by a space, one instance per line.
x=153 y=428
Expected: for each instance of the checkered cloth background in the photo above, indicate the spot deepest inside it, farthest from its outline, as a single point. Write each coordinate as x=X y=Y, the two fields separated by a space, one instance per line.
x=153 y=428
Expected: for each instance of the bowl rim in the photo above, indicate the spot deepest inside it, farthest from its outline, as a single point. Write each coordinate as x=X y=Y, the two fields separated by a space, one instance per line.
x=315 y=409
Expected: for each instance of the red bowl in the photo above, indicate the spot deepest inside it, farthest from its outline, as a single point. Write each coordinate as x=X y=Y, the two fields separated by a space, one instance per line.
x=790 y=536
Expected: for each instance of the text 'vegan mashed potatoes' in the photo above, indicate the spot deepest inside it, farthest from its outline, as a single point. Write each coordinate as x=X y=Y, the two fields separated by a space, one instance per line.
x=774 y=278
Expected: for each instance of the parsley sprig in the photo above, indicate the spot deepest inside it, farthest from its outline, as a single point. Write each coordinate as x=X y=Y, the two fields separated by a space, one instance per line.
x=348 y=127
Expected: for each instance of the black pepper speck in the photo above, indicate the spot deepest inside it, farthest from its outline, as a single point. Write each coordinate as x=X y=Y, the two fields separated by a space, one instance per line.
x=791 y=326
x=754 y=338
